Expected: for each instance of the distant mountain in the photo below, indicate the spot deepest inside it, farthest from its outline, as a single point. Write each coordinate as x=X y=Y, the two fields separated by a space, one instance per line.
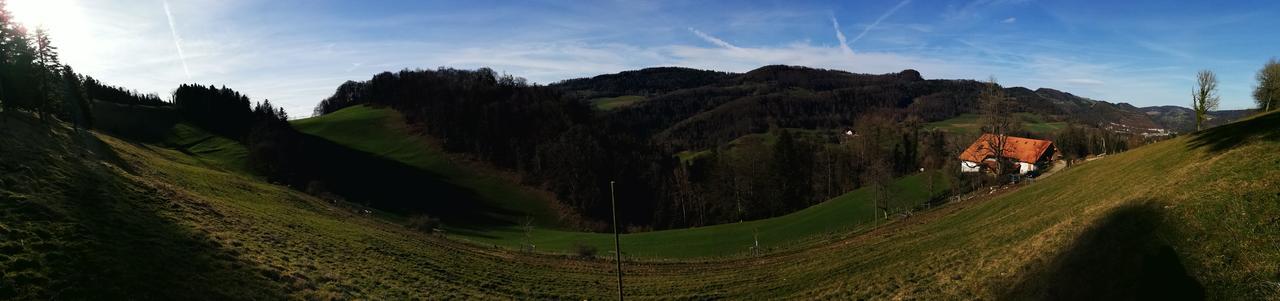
x=692 y=109
x=1117 y=117
x=785 y=97
x=1183 y=120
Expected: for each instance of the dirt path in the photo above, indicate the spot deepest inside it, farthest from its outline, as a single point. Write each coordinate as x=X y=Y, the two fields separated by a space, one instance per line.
x=1057 y=166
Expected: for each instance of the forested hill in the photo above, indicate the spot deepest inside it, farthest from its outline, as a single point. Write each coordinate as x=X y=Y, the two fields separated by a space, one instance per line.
x=647 y=82
x=708 y=112
x=690 y=147
x=1182 y=120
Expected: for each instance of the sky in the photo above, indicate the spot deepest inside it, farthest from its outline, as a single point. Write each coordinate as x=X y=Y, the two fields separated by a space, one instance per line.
x=296 y=53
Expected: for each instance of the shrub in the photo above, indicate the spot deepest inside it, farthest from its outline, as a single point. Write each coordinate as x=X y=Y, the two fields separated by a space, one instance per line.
x=584 y=250
x=423 y=223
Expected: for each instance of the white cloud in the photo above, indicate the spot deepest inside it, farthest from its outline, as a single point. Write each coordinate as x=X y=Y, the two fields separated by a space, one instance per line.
x=1010 y=20
x=1165 y=49
x=1083 y=81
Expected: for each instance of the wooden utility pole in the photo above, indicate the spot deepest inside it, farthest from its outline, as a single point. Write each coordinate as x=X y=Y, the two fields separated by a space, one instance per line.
x=617 y=247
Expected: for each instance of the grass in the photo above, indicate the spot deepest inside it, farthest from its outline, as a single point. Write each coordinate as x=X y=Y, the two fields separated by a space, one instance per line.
x=217 y=151
x=610 y=103
x=1187 y=216
x=686 y=156
x=849 y=212
x=383 y=132
x=971 y=124
x=75 y=227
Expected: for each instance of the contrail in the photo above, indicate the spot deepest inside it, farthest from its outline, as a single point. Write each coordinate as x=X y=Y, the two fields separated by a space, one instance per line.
x=177 y=41
x=877 y=22
x=712 y=39
x=844 y=42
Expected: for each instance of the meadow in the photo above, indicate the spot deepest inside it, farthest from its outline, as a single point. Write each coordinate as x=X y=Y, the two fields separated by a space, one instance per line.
x=971 y=124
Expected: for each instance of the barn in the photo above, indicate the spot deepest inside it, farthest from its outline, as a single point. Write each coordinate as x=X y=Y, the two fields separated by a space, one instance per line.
x=1030 y=155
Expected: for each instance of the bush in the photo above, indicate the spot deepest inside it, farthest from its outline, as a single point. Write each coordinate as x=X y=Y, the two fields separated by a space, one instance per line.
x=423 y=223
x=584 y=250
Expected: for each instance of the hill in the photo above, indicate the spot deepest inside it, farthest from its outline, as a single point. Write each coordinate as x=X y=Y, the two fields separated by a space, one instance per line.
x=971 y=124
x=800 y=97
x=1182 y=120
x=384 y=133
x=643 y=82
x=1178 y=218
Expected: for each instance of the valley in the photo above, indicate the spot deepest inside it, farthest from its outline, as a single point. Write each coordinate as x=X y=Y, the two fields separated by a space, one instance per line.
x=654 y=150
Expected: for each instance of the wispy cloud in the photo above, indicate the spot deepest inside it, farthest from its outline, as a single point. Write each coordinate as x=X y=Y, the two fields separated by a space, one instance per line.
x=1010 y=20
x=1164 y=49
x=878 y=20
x=712 y=40
x=1083 y=81
x=971 y=9
x=844 y=42
x=177 y=40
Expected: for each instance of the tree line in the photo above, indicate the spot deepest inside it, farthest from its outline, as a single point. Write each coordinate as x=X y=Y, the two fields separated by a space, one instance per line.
x=99 y=91
x=553 y=142
x=33 y=79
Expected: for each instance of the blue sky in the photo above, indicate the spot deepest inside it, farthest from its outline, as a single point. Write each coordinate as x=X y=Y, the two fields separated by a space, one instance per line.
x=297 y=52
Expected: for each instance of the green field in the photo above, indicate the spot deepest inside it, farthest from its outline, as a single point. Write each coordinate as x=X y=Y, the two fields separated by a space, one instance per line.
x=971 y=124
x=217 y=151
x=90 y=216
x=610 y=103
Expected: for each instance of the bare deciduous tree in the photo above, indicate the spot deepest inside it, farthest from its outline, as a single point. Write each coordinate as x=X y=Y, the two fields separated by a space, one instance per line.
x=1204 y=98
x=997 y=120
x=1267 y=94
x=878 y=177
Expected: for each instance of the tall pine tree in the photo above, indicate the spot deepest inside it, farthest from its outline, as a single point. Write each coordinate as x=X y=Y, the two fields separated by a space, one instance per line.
x=47 y=70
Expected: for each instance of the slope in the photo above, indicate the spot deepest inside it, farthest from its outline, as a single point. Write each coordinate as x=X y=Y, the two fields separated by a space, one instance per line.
x=971 y=124
x=384 y=133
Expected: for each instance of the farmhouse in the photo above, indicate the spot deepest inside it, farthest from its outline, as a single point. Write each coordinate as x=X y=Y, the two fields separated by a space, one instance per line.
x=1028 y=154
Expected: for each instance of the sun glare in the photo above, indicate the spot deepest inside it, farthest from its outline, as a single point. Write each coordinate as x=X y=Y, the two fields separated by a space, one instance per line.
x=61 y=16
x=63 y=19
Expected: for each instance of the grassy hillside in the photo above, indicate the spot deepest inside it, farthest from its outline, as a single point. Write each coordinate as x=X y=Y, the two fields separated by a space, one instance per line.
x=971 y=124
x=384 y=133
x=1176 y=219
x=847 y=213
x=214 y=150
x=610 y=103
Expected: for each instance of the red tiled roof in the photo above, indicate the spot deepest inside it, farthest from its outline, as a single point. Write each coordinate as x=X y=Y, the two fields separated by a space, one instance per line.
x=1016 y=148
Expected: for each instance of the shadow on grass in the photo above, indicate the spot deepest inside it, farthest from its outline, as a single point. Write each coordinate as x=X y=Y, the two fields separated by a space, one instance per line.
x=390 y=185
x=83 y=232
x=1119 y=258
x=128 y=251
x=1224 y=137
